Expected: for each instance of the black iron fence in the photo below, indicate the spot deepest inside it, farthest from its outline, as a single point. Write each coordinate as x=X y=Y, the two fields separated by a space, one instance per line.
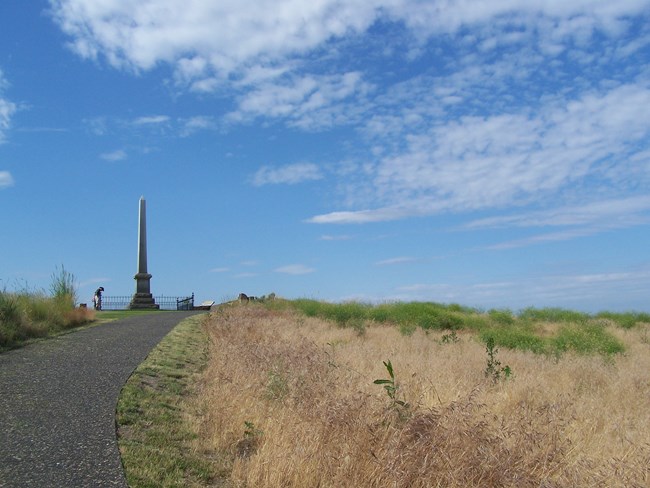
x=164 y=302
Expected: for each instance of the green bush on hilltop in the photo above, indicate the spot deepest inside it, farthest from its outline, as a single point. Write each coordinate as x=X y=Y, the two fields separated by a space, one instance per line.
x=528 y=330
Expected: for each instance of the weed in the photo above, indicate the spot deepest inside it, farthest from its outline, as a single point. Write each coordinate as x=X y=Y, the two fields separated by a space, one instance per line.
x=391 y=388
x=493 y=370
x=276 y=385
x=62 y=287
x=450 y=338
x=250 y=430
x=249 y=444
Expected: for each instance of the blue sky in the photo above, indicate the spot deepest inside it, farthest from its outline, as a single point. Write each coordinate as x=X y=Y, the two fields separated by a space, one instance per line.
x=493 y=154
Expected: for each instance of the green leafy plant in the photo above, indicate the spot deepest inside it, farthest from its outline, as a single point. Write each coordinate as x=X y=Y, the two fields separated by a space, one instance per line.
x=451 y=338
x=494 y=371
x=247 y=446
x=390 y=385
x=250 y=431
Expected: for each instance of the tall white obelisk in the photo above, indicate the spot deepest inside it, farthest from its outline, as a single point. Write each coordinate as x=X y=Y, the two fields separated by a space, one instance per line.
x=142 y=297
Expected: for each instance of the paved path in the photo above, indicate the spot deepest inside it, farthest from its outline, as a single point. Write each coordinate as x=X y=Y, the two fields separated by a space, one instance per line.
x=58 y=398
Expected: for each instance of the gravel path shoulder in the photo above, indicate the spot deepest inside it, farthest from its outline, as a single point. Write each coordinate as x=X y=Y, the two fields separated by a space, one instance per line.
x=58 y=398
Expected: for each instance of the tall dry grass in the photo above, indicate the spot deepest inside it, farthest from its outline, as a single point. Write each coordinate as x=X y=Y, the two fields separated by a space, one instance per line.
x=290 y=401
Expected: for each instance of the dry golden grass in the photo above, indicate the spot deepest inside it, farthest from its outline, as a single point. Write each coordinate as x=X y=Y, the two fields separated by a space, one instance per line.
x=292 y=403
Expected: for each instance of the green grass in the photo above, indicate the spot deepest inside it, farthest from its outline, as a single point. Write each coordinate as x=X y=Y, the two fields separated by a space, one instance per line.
x=626 y=320
x=154 y=433
x=574 y=331
x=26 y=316
x=110 y=315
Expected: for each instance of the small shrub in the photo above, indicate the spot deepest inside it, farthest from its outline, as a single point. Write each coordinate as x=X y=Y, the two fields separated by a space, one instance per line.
x=626 y=320
x=450 y=338
x=586 y=339
x=502 y=317
x=248 y=445
x=516 y=337
x=493 y=370
x=552 y=314
x=390 y=385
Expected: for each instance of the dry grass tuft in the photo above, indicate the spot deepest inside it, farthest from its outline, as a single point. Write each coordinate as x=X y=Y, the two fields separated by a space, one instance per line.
x=78 y=316
x=291 y=402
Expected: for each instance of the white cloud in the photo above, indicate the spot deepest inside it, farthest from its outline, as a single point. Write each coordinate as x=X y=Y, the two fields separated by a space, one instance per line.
x=6 y=180
x=219 y=270
x=201 y=38
x=523 y=103
x=152 y=120
x=290 y=174
x=295 y=269
x=204 y=39
x=7 y=109
x=611 y=213
x=118 y=155
x=93 y=281
x=397 y=260
x=308 y=102
x=197 y=123
x=485 y=162
x=342 y=237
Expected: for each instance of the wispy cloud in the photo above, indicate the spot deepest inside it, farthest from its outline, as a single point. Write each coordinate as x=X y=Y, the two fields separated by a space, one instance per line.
x=7 y=109
x=93 y=281
x=342 y=237
x=572 y=221
x=520 y=112
x=397 y=260
x=152 y=120
x=219 y=270
x=290 y=174
x=262 y=36
x=197 y=123
x=613 y=212
x=6 y=180
x=308 y=102
x=488 y=162
x=117 y=155
x=567 y=290
x=295 y=269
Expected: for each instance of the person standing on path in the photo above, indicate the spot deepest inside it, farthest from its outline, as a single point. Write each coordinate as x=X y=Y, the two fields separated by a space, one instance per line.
x=97 y=299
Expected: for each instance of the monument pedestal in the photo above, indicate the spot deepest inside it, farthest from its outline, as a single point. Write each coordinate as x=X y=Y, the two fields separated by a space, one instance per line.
x=143 y=301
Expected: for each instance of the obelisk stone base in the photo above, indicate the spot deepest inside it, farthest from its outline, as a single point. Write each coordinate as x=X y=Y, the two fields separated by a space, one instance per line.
x=143 y=301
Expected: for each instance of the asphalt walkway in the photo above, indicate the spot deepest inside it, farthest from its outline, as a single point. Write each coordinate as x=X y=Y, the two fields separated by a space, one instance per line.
x=58 y=399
